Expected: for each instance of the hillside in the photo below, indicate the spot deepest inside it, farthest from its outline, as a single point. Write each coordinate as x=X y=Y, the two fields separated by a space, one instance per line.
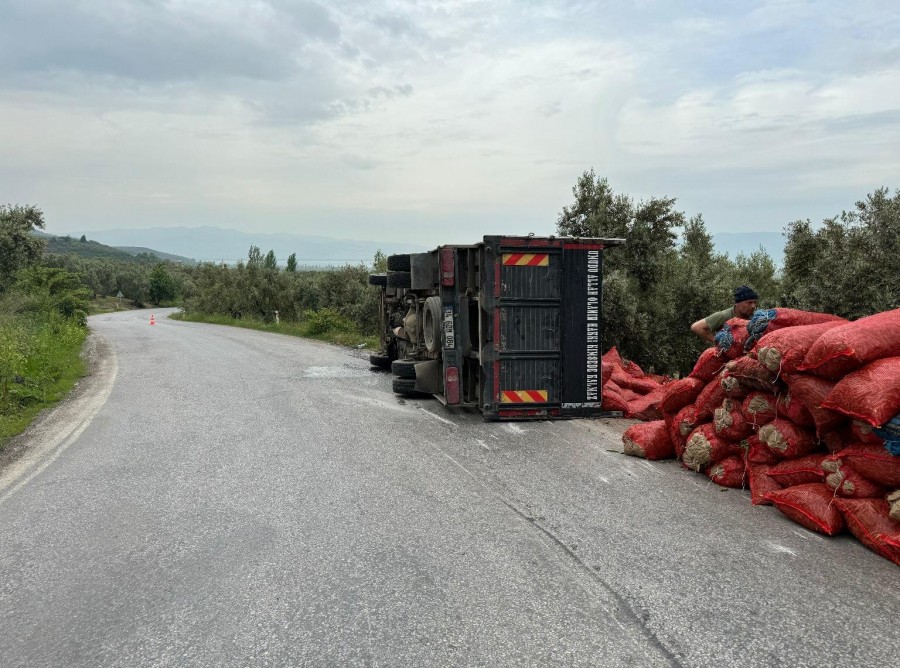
x=95 y=250
x=169 y=257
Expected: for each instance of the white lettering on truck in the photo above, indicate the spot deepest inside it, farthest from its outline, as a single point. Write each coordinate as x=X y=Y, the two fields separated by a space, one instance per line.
x=592 y=376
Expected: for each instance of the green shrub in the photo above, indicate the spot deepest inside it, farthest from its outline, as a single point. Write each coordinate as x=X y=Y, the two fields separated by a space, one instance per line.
x=325 y=321
x=39 y=363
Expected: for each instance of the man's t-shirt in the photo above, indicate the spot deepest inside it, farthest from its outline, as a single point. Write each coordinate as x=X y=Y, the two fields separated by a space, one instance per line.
x=719 y=318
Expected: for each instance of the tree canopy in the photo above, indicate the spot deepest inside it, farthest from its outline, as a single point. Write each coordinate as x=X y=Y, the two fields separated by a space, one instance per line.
x=19 y=248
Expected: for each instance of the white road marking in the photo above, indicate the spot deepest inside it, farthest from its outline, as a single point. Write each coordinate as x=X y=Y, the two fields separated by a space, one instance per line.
x=437 y=417
x=41 y=456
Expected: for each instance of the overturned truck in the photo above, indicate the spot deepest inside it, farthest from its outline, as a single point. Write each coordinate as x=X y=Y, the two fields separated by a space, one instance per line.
x=510 y=326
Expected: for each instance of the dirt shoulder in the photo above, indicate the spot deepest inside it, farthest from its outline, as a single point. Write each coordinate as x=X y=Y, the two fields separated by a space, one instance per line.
x=93 y=352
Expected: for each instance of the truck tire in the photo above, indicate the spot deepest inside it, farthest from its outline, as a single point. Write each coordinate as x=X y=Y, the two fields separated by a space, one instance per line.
x=378 y=279
x=398 y=279
x=398 y=262
x=407 y=387
x=431 y=325
x=380 y=361
x=404 y=369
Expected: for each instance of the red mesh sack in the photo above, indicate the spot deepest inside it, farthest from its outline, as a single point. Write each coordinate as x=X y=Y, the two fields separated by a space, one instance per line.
x=709 y=399
x=649 y=440
x=613 y=358
x=730 y=472
x=640 y=385
x=751 y=374
x=837 y=440
x=732 y=387
x=629 y=395
x=811 y=392
x=758 y=408
x=606 y=370
x=873 y=462
x=760 y=484
x=787 y=439
x=862 y=433
x=681 y=428
x=669 y=418
x=798 y=471
x=729 y=422
x=783 y=350
x=894 y=500
x=646 y=407
x=705 y=447
x=871 y=394
x=633 y=370
x=678 y=394
x=869 y=521
x=739 y=335
x=810 y=505
x=758 y=452
x=792 y=317
x=708 y=365
x=850 y=346
x=613 y=399
x=848 y=482
x=891 y=543
x=793 y=409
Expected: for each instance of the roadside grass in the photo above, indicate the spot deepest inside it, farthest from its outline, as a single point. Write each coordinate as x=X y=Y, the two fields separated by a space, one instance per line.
x=39 y=364
x=323 y=325
x=110 y=305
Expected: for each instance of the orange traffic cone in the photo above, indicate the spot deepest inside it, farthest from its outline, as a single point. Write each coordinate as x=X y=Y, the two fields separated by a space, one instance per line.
x=152 y=321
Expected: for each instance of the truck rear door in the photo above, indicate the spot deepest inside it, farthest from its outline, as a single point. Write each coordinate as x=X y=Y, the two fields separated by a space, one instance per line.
x=545 y=316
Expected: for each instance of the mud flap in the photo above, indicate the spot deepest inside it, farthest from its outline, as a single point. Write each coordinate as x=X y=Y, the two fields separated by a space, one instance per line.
x=429 y=377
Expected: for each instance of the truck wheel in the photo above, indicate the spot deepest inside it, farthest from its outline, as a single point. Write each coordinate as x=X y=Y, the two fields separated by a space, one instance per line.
x=398 y=279
x=404 y=369
x=380 y=361
x=378 y=279
x=431 y=324
x=407 y=387
x=398 y=262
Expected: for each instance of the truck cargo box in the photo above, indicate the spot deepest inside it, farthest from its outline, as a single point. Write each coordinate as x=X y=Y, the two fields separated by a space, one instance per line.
x=511 y=326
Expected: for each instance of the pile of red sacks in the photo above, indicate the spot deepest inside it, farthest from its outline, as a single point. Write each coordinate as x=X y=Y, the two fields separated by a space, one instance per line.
x=792 y=420
x=627 y=388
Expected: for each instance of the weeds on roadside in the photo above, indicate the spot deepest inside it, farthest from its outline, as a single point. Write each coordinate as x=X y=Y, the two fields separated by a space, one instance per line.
x=323 y=325
x=39 y=363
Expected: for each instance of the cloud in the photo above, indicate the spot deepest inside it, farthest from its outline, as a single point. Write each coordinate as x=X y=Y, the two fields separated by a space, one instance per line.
x=482 y=113
x=148 y=42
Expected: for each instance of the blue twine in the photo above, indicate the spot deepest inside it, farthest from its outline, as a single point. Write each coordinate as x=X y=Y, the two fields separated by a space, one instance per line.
x=890 y=432
x=758 y=324
x=724 y=338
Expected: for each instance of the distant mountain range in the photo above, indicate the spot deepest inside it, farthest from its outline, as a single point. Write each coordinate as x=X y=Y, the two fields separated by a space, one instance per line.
x=214 y=244
x=189 y=245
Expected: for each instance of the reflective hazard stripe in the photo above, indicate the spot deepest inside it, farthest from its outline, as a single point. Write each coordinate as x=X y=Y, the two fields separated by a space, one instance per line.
x=523 y=396
x=526 y=259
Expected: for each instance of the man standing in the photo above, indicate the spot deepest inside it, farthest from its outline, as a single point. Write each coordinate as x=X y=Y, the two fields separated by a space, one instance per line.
x=744 y=305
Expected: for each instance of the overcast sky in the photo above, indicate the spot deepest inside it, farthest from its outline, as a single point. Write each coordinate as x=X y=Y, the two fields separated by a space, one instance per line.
x=435 y=122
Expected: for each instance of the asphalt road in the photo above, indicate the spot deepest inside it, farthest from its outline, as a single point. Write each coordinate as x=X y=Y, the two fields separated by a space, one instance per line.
x=218 y=496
